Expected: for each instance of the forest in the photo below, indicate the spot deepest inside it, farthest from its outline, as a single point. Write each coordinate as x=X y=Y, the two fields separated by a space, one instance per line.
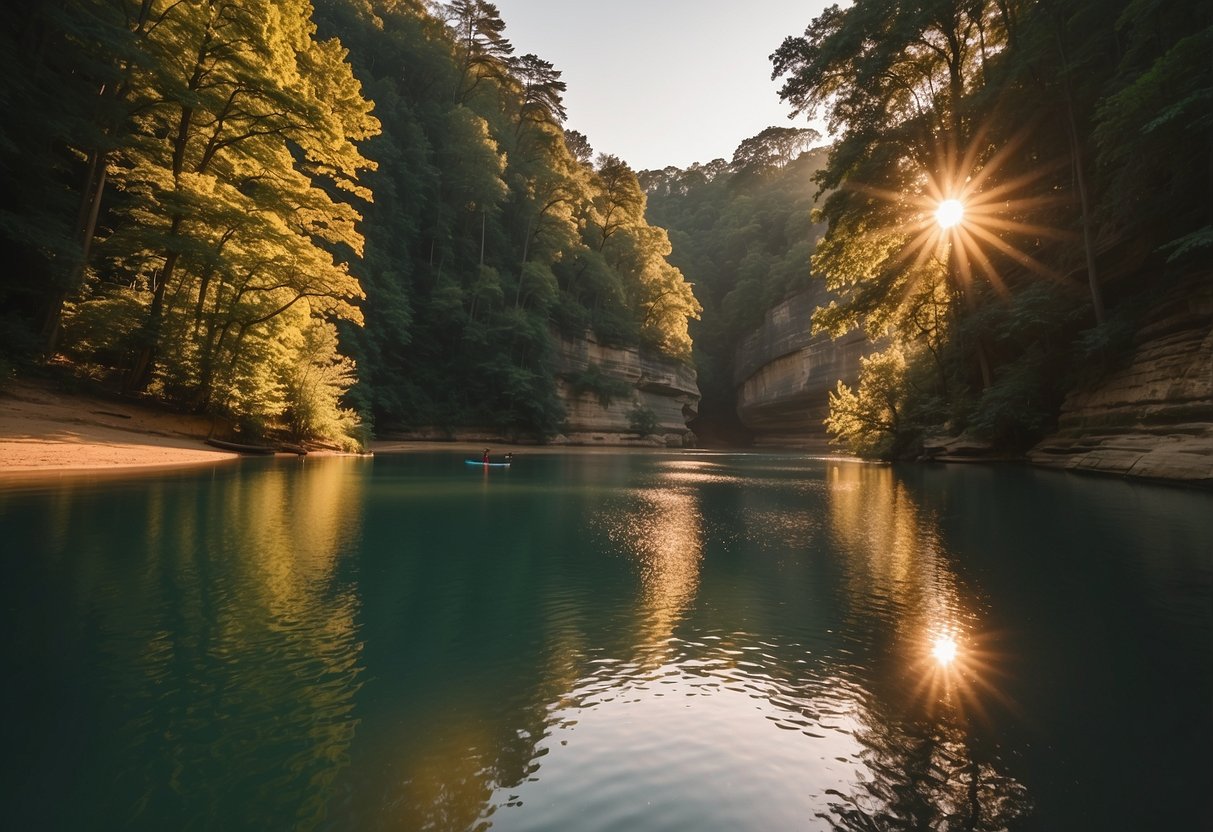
x=743 y=231
x=342 y=216
x=320 y=217
x=1078 y=138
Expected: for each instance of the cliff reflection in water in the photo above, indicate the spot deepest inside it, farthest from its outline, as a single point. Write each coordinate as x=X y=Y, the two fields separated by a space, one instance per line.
x=928 y=766
x=603 y=641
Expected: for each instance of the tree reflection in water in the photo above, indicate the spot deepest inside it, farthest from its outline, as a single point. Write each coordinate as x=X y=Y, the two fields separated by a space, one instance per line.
x=929 y=765
x=601 y=642
x=224 y=638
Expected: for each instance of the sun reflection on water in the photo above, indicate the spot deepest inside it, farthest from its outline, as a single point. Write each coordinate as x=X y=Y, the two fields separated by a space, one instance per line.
x=662 y=530
x=943 y=649
x=901 y=581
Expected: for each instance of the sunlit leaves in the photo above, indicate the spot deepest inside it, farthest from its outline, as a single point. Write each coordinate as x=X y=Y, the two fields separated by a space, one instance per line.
x=1154 y=132
x=996 y=104
x=637 y=251
x=483 y=48
x=867 y=420
x=542 y=90
x=254 y=203
x=472 y=163
x=243 y=128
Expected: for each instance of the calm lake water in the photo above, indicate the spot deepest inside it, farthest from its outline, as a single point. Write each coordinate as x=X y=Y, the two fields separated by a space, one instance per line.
x=595 y=641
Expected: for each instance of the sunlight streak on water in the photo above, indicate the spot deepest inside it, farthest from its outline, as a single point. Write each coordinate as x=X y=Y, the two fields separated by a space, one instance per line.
x=660 y=529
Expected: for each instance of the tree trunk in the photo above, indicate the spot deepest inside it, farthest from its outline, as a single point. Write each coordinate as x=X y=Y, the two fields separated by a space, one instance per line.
x=483 y=223
x=526 y=245
x=86 y=224
x=1081 y=183
x=145 y=362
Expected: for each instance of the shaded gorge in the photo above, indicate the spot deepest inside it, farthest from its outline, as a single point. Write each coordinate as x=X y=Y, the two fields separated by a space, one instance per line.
x=607 y=641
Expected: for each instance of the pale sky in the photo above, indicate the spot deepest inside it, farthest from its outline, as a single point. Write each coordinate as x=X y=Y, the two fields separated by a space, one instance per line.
x=664 y=82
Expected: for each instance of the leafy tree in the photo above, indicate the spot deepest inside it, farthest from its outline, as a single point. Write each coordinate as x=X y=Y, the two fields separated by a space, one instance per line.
x=216 y=206
x=199 y=233
x=542 y=91
x=483 y=48
x=505 y=240
x=772 y=149
x=1006 y=105
x=871 y=420
x=642 y=421
x=579 y=146
x=204 y=217
x=1153 y=130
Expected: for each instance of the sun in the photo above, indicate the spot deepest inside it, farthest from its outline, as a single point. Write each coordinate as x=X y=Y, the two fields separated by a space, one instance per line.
x=949 y=213
x=964 y=207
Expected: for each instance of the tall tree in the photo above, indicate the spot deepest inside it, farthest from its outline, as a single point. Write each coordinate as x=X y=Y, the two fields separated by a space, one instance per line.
x=484 y=49
x=1003 y=105
x=67 y=68
x=222 y=125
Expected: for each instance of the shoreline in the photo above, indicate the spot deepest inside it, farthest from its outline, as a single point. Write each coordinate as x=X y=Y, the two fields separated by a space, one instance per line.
x=49 y=435
x=45 y=433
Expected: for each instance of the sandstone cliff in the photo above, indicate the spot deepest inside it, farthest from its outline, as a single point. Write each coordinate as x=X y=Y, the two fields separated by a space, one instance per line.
x=784 y=374
x=665 y=387
x=1153 y=417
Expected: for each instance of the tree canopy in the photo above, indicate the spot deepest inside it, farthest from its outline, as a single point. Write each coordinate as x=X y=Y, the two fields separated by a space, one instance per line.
x=743 y=232
x=1076 y=135
x=314 y=214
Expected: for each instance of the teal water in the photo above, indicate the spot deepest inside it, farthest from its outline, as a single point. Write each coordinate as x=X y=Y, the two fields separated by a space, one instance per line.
x=606 y=642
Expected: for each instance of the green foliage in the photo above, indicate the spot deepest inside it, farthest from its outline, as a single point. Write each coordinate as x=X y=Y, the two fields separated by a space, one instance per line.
x=870 y=420
x=1018 y=407
x=771 y=150
x=104 y=330
x=511 y=235
x=199 y=193
x=211 y=228
x=605 y=387
x=1007 y=105
x=642 y=421
x=1105 y=348
x=315 y=386
x=196 y=196
x=1154 y=130
x=1190 y=247
x=743 y=233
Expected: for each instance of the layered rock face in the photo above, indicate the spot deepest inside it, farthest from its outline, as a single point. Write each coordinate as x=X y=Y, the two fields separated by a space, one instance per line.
x=1152 y=418
x=784 y=374
x=666 y=387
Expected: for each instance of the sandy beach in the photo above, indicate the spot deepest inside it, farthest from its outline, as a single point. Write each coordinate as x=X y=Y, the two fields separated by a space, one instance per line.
x=44 y=431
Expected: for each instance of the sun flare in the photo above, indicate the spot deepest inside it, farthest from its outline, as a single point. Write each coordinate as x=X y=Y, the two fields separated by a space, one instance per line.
x=964 y=207
x=949 y=213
